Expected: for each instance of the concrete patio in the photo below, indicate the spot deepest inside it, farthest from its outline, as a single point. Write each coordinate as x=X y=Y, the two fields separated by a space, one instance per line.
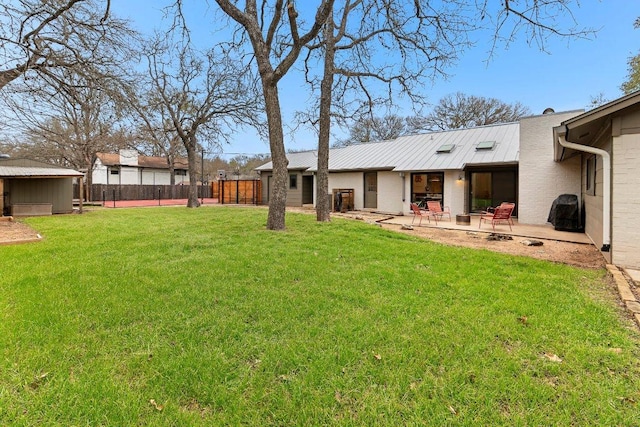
x=546 y=231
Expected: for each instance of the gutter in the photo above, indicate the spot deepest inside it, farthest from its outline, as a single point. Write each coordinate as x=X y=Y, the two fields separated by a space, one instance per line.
x=606 y=196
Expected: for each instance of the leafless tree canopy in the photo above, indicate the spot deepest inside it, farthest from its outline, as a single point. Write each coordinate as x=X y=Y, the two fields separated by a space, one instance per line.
x=195 y=97
x=44 y=37
x=67 y=125
x=377 y=129
x=460 y=111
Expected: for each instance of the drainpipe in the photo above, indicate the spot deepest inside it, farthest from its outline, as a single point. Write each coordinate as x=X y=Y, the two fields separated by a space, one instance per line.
x=606 y=194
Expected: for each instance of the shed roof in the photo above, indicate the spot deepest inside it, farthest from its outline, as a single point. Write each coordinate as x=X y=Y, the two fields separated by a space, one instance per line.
x=26 y=168
x=420 y=152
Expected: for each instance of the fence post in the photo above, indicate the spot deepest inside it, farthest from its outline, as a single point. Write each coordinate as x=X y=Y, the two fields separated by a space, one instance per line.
x=114 y=197
x=104 y=197
x=159 y=195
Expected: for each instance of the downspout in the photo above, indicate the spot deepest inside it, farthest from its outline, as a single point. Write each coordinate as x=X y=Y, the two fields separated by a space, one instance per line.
x=606 y=193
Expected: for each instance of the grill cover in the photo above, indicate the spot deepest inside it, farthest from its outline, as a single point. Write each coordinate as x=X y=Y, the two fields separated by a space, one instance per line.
x=565 y=213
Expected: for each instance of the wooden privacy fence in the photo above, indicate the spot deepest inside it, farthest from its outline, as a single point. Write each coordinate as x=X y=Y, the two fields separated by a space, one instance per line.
x=101 y=192
x=244 y=191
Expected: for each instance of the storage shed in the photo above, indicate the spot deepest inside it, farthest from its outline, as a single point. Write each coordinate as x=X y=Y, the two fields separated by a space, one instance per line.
x=29 y=188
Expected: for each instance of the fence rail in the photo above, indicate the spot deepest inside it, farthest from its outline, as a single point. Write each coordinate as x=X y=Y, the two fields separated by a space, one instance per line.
x=100 y=192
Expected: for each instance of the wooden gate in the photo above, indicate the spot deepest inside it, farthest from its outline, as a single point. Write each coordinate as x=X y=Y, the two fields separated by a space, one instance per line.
x=238 y=192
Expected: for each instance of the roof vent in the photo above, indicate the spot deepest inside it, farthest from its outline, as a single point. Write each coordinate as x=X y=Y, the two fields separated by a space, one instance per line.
x=4 y=156
x=548 y=111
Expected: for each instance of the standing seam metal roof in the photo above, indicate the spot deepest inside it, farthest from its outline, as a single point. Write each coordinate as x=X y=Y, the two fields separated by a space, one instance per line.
x=419 y=152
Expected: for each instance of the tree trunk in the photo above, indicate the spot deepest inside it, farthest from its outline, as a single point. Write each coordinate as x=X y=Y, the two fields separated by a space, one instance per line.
x=278 y=197
x=193 y=175
x=172 y=178
x=323 y=201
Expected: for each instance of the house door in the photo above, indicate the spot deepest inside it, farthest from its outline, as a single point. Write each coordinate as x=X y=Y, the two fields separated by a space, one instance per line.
x=490 y=188
x=371 y=190
x=307 y=189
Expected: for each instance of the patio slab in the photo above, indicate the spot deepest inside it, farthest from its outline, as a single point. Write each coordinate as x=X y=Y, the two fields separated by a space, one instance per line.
x=547 y=232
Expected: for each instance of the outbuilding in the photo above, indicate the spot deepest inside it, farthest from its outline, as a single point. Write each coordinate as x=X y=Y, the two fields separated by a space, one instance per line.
x=30 y=188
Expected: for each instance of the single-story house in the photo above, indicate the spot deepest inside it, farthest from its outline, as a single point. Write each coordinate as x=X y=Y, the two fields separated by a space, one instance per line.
x=127 y=167
x=29 y=187
x=593 y=155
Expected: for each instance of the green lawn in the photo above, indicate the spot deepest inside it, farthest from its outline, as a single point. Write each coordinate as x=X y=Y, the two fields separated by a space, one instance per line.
x=176 y=317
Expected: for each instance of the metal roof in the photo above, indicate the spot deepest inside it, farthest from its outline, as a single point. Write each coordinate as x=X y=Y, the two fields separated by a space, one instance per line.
x=25 y=168
x=419 y=152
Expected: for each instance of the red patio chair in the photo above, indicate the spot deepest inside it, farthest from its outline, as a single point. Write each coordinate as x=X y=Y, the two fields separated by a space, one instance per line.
x=504 y=204
x=437 y=211
x=417 y=212
x=500 y=214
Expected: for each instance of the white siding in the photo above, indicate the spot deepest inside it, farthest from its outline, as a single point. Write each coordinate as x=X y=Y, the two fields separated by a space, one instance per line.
x=354 y=180
x=626 y=202
x=99 y=173
x=132 y=176
x=128 y=176
x=390 y=193
x=454 y=192
x=541 y=179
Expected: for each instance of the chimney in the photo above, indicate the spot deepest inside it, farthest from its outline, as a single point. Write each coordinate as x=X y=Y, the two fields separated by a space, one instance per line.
x=129 y=157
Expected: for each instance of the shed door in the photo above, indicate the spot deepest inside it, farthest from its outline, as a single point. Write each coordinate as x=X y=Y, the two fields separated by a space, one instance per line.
x=371 y=190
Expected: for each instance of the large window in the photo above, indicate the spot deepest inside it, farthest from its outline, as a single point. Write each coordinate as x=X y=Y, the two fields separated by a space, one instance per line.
x=293 y=181
x=427 y=186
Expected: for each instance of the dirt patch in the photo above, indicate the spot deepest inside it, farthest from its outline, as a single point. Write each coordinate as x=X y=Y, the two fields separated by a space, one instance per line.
x=16 y=232
x=576 y=254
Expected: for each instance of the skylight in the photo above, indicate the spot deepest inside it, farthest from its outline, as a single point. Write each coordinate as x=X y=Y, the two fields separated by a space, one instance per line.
x=445 y=148
x=485 y=145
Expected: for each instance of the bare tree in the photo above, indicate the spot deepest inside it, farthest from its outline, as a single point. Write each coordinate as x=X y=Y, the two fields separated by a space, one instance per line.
x=374 y=129
x=277 y=39
x=197 y=96
x=396 y=44
x=374 y=52
x=69 y=124
x=154 y=131
x=460 y=111
x=45 y=37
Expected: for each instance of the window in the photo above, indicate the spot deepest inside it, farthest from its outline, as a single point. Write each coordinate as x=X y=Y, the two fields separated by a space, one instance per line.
x=591 y=176
x=445 y=148
x=181 y=172
x=114 y=171
x=485 y=145
x=293 y=181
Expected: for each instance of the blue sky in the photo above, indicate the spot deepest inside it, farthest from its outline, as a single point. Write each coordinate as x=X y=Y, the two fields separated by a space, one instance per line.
x=564 y=78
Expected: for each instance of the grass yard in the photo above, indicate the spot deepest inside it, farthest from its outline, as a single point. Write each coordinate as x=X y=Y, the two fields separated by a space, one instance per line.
x=176 y=317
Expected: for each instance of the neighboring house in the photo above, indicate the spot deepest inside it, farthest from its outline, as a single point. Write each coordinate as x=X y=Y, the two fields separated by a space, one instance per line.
x=129 y=168
x=593 y=155
x=29 y=187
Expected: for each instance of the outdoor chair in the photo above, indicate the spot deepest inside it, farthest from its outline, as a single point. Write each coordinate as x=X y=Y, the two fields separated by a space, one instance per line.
x=417 y=212
x=505 y=204
x=500 y=214
x=437 y=211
